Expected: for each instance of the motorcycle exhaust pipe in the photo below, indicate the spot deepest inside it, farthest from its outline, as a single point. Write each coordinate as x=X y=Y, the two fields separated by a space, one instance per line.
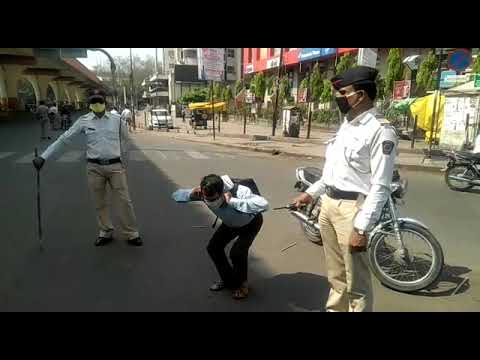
x=458 y=178
x=305 y=219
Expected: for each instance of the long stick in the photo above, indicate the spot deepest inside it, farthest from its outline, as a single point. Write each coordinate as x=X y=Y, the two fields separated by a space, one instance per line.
x=39 y=212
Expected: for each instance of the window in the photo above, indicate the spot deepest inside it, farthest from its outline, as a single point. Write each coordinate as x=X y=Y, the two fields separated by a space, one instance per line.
x=231 y=69
x=231 y=53
x=190 y=54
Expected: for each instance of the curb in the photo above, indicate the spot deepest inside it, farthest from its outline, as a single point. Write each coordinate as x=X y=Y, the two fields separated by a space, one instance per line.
x=422 y=168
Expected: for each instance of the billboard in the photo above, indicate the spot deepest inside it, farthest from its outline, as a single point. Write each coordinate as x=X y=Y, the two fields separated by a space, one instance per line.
x=211 y=64
x=315 y=53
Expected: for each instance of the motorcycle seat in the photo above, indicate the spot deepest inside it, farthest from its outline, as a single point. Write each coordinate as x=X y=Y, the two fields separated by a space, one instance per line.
x=312 y=174
x=469 y=155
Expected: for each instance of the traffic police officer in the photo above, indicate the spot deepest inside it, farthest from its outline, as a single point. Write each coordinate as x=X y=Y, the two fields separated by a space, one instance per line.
x=354 y=187
x=107 y=138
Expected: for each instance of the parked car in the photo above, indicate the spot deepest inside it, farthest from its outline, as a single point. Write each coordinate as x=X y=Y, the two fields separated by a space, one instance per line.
x=161 y=118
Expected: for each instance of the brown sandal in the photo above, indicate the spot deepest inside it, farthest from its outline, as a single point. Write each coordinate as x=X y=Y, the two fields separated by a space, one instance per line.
x=240 y=293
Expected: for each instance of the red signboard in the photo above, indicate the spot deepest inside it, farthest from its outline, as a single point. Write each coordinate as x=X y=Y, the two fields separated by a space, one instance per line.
x=401 y=89
x=346 y=50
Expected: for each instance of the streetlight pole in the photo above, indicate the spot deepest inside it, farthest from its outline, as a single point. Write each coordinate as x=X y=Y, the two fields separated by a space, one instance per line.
x=113 y=69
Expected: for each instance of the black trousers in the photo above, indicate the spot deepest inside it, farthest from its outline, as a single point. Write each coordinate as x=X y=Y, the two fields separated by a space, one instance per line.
x=236 y=274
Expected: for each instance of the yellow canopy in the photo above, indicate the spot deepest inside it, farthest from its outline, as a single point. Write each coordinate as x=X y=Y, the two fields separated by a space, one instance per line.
x=219 y=106
x=423 y=107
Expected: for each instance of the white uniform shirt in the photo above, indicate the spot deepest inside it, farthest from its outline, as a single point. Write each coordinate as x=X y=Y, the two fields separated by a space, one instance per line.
x=361 y=158
x=102 y=135
x=53 y=110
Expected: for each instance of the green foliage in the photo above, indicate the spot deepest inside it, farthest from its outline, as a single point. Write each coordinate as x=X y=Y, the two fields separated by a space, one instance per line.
x=317 y=84
x=425 y=76
x=380 y=82
x=227 y=95
x=258 y=85
x=194 y=96
x=327 y=94
x=394 y=70
x=217 y=91
x=324 y=117
x=238 y=86
x=476 y=65
x=346 y=62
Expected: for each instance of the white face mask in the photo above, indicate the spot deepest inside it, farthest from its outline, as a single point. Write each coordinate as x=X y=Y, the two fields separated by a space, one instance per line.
x=216 y=204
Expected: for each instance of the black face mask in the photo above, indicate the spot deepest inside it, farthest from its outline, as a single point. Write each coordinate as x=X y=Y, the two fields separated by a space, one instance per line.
x=343 y=104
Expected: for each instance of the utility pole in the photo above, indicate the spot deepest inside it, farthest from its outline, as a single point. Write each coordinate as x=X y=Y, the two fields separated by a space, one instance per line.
x=309 y=126
x=156 y=60
x=132 y=89
x=277 y=91
x=437 y=101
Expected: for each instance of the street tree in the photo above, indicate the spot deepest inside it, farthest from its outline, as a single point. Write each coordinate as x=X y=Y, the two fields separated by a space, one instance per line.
x=476 y=65
x=346 y=62
x=394 y=70
x=425 y=76
x=317 y=84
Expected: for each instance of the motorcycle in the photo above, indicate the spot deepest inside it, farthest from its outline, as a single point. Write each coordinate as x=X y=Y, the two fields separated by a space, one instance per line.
x=462 y=172
x=403 y=253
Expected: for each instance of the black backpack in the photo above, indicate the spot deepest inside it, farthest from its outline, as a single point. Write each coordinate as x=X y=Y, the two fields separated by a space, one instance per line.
x=249 y=182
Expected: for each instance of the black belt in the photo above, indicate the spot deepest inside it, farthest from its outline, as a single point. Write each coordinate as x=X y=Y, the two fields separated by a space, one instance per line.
x=336 y=194
x=105 y=161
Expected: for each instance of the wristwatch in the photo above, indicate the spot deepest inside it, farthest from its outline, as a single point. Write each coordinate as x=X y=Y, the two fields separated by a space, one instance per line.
x=361 y=232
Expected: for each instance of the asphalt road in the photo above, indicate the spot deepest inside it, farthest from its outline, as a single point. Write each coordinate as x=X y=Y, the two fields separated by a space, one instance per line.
x=172 y=272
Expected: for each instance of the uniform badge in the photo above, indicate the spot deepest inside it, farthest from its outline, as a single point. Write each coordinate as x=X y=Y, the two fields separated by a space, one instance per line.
x=388 y=147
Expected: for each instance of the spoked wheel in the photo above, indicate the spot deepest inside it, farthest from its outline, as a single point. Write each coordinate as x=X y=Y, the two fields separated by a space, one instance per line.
x=312 y=234
x=413 y=268
x=459 y=171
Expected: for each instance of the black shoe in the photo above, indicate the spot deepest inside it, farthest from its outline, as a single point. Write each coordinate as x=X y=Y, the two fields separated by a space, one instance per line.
x=101 y=241
x=135 y=242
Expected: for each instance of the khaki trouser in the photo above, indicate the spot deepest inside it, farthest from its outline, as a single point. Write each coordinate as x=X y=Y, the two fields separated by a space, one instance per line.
x=98 y=177
x=348 y=274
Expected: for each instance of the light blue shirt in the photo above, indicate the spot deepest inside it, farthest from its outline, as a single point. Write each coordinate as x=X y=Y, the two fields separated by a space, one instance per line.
x=239 y=211
x=103 y=136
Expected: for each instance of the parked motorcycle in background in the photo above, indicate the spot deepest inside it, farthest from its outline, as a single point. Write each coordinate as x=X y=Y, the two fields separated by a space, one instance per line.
x=404 y=255
x=462 y=172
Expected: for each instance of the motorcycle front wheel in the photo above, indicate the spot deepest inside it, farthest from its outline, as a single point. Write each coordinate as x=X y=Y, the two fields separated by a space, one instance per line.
x=407 y=270
x=463 y=171
x=312 y=233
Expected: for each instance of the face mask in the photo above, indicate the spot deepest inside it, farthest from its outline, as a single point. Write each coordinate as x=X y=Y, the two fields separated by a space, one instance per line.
x=97 y=108
x=216 y=204
x=343 y=104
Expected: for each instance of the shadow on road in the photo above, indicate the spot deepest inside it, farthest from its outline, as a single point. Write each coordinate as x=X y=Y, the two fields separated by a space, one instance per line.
x=450 y=283
x=172 y=272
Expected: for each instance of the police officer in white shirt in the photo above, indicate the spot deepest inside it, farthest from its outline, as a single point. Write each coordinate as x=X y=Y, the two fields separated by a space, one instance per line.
x=107 y=138
x=354 y=188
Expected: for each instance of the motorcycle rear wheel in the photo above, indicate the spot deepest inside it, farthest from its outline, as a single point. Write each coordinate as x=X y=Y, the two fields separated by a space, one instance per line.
x=459 y=170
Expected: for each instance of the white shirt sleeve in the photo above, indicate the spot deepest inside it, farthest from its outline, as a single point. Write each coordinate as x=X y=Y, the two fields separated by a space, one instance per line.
x=382 y=162
x=248 y=202
x=317 y=189
x=64 y=139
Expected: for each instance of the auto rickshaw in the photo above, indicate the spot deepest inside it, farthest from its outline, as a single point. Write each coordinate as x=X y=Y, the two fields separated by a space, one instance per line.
x=199 y=118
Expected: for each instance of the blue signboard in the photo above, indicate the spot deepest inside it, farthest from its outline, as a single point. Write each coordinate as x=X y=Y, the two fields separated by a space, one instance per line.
x=460 y=59
x=315 y=53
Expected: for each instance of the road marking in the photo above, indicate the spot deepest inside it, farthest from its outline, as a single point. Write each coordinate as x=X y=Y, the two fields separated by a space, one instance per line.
x=5 y=154
x=223 y=155
x=154 y=155
x=196 y=155
x=25 y=159
x=71 y=156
